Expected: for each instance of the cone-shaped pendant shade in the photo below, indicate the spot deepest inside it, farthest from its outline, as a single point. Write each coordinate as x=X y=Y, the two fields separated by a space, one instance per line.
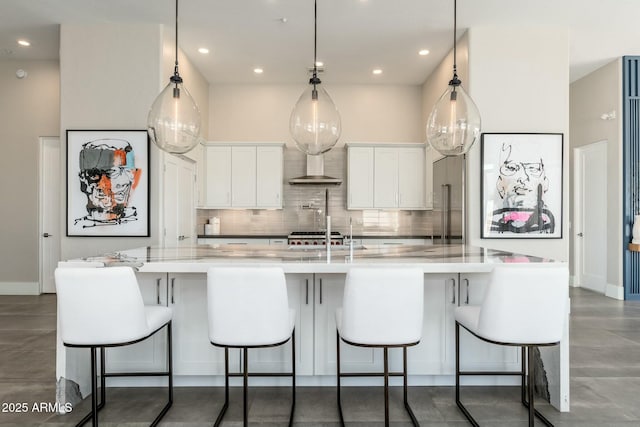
x=174 y=120
x=315 y=121
x=454 y=123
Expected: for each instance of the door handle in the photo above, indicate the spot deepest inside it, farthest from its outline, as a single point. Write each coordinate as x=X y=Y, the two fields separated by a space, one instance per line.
x=173 y=282
x=47 y=235
x=466 y=301
x=453 y=294
x=158 y=291
x=320 y=291
x=579 y=235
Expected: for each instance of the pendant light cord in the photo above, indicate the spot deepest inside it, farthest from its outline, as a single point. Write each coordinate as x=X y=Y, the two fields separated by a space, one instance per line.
x=176 y=75
x=455 y=81
x=314 y=79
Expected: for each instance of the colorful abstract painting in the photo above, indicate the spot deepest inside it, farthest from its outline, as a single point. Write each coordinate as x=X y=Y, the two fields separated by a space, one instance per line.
x=521 y=185
x=107 y=183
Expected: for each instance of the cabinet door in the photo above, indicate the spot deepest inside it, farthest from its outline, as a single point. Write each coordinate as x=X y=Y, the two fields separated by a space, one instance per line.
x=434 y=355
x=243 y=176
x=329 y=291
x=360 y=178
x=476 y=354
x=193 y=354
x=150 y=354
x=428 y=176
x=218 y=176
x=411 y=178
x=269 y=177
x=385 y=178
x=278 y=359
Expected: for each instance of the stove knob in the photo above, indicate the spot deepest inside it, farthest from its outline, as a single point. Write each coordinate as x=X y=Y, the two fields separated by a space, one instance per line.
x=306 y=242
x=315 y=242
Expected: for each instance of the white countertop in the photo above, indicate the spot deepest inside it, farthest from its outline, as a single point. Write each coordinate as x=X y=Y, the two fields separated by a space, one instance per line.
x=197 y=259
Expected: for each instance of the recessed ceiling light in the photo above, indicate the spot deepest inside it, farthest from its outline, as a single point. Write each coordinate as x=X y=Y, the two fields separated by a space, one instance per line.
x=25 y=43
x=203 y=50
x=423 y=52
x=377 y=71
x=258 y=70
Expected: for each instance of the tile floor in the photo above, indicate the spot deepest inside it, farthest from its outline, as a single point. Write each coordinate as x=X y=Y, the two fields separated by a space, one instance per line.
x=605 y=382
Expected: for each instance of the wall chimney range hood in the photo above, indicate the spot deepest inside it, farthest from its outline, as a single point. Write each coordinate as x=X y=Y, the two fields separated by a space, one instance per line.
x=315 y=173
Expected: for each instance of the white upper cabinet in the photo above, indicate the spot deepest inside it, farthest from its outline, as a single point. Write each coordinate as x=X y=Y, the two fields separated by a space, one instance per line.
x=243 y=175
x=269 y=176
x=360 y=173
x=387 y=176
x=217 y=173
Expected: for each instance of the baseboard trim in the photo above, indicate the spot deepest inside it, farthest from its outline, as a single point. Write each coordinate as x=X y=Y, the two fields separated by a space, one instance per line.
x=615 y=292
x=19 y=288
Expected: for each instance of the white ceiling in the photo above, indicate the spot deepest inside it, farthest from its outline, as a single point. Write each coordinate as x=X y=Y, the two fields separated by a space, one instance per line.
x=354 y=36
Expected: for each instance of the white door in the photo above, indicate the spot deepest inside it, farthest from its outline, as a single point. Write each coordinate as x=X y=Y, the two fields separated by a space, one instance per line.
x=187 y=202
x=179 y=200
x=49 y=211
x=591 y=237
x=170 y=200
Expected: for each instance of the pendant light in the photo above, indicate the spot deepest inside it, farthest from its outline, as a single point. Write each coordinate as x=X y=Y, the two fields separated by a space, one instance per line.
x=454 y=123
x=315 y=121
x=173 y=122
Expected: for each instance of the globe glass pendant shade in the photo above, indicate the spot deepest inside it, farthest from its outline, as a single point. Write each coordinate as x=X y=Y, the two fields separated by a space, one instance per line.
x=454 y=123
x=174 y=120
x=315 y=123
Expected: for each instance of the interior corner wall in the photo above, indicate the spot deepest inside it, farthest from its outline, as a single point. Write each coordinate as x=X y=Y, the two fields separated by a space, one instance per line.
x=29 y=110
x=519 y=79
x=591 y=96
x=109 y=77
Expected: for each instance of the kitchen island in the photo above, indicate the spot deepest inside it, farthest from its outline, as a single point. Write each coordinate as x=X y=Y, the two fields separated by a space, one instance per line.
x=453 y=275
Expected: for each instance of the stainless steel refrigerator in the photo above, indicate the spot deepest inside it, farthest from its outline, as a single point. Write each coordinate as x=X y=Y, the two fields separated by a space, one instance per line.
x=448 y=200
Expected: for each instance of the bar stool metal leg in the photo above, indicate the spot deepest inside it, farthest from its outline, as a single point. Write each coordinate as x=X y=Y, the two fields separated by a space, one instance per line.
x=338 y=378
x=293 y=378
x=406 y=400
x=245 y=385
x=226 y=388
x=386 y=386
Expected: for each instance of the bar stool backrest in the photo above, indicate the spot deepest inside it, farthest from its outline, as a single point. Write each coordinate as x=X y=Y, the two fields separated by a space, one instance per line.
x=100 y=306
x=383 y=306
x=525 y=305
x=247 y=306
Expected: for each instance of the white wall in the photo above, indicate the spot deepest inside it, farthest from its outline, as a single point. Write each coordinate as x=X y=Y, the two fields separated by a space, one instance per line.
x=29 y=108
x=519 y=79
x=389 y=113
x=591 y=96
x=110 y=75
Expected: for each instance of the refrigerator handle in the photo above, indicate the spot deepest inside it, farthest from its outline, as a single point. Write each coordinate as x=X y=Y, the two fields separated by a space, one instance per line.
x=446 y=214
x=443 y=210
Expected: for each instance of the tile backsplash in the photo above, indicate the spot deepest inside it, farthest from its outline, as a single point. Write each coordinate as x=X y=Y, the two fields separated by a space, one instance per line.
x=304 y=207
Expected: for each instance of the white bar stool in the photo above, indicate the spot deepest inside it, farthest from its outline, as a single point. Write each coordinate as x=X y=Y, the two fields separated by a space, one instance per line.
x=381 y=308
x=524 y=307
x=103 y=307
x=249 y=308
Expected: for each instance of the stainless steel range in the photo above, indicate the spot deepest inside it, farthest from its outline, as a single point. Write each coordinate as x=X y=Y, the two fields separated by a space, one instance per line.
x=311 y=238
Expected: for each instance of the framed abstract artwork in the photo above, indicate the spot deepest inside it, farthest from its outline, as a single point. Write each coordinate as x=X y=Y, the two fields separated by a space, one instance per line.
x=521 y=185
x=107 y=183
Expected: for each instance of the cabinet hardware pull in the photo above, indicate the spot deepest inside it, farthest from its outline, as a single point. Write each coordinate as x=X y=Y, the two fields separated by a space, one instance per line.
x=320 y=291
x=453 y=295
x=467 y=297
x=173 y=281
x=158 y=290
x=307 y=295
